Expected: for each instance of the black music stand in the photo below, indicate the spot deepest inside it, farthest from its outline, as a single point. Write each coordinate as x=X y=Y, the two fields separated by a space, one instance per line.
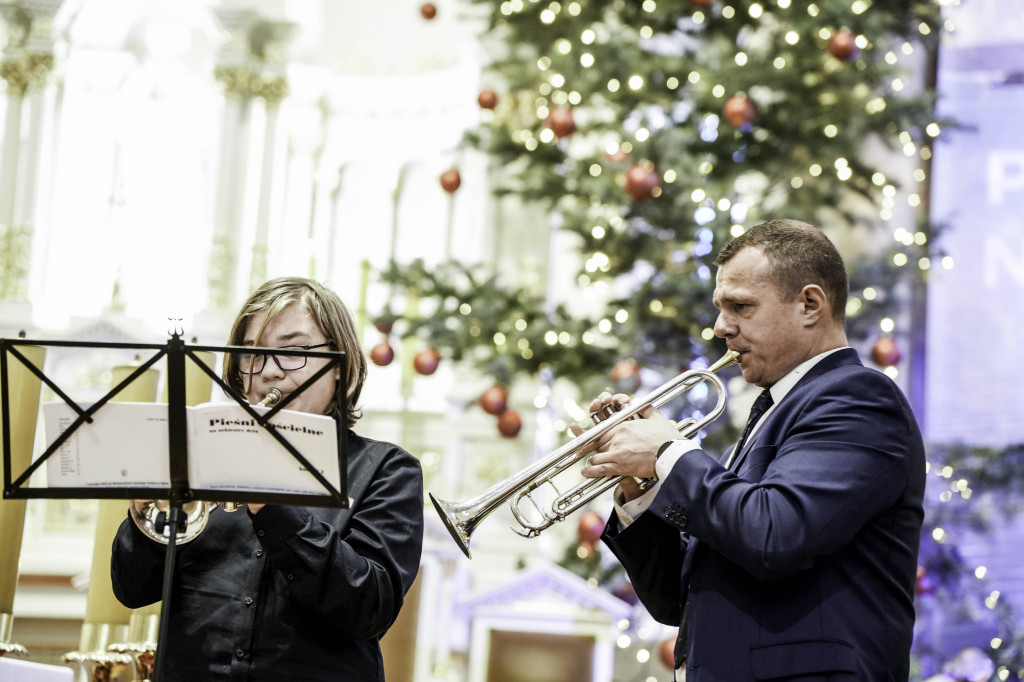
x=179 y=492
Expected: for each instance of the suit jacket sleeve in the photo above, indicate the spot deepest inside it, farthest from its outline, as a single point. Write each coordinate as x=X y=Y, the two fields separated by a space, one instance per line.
x=653 y=553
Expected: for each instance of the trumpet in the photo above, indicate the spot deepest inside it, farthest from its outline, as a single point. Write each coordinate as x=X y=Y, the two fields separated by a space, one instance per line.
x=152 y=516
x=462 y=518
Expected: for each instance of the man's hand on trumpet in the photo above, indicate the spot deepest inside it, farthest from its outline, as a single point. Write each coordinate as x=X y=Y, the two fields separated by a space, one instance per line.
x=628 y=449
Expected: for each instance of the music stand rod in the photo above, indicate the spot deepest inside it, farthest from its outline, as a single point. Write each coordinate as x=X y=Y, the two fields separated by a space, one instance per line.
x=177 y=438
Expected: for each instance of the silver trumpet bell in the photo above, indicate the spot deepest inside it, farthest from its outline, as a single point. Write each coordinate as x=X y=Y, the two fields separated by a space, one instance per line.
x=154 y=520
x=462 y=518
x=154 y=517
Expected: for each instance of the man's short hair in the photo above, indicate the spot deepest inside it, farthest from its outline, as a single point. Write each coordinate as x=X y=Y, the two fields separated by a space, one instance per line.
x=800 y=254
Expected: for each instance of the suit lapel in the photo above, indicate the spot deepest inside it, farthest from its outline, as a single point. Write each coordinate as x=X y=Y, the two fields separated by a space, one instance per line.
x=841 y=358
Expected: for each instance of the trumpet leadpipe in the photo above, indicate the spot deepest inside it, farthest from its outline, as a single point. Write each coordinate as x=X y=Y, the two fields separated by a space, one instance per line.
x=272 y=397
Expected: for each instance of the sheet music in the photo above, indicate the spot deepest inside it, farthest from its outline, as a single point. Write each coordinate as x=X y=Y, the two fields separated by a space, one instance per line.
x=123 y=446
x=236 y=453
x=126 y=445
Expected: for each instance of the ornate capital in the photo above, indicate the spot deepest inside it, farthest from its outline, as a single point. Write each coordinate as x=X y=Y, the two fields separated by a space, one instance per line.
x=27 y=72
x=244 y=83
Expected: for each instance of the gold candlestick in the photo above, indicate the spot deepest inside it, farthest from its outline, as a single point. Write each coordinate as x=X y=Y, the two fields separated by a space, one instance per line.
x=23 y=389
x=141 y=645
x=102 y=666
x=6 y=645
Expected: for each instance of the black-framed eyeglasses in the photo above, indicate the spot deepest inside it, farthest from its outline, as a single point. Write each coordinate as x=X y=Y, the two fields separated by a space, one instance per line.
x=253 y=363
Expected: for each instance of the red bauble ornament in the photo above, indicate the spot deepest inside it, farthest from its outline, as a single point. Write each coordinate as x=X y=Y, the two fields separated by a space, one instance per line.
x=382 y=354
x=738 y=111
x=626 y=376
x=494 y=400
x=885 y=352
x=426 y=361
x=667 y=653
x=428 y=10
x=509 y=424
x=590 y=527
x=450 y=180
x=703 y=4
x=641 y=181
x=487 y=99
x=384 y=325
x=561 y=122
x=843 y=45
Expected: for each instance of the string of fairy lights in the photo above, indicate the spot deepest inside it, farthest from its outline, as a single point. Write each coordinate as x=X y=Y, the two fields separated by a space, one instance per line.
x=552 y=92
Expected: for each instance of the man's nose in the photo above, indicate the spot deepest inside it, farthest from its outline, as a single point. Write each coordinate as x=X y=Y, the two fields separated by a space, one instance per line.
x=722 y=328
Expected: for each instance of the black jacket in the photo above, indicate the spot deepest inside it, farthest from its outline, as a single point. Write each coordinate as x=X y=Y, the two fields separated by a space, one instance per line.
x=299 y=593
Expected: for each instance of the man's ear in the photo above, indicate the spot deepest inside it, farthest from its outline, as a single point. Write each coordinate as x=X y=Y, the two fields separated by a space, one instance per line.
x=815 y=304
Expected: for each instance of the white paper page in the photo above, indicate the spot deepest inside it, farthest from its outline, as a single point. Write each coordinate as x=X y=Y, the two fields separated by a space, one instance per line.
x=124 y=446
x=230 y=451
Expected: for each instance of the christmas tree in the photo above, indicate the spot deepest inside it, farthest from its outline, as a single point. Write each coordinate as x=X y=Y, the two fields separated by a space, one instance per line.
x=654 y=131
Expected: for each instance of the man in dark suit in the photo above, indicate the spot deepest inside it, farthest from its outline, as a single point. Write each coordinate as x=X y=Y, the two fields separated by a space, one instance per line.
x=795 y=556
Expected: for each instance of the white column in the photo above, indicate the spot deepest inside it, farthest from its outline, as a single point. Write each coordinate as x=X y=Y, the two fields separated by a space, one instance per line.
x=272 y=87
x=229 y=204
x=27 y=65
x=232 y=169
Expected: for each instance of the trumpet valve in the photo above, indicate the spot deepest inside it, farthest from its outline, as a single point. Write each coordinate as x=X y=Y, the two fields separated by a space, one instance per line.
x=230 y=506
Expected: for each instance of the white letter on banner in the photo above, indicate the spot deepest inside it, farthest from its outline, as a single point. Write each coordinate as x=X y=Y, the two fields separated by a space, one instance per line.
x=1005 y=174
x=999 y=256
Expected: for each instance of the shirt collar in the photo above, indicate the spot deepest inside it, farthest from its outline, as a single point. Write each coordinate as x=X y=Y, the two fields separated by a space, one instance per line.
x=784 y=385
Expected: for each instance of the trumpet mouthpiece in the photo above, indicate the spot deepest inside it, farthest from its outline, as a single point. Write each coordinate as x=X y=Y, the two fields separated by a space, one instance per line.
x=273 y=395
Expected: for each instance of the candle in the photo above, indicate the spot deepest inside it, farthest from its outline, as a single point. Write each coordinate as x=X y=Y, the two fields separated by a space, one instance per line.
x=101 y=606
x=198 y=383
x=23 y=389
x=141 y=390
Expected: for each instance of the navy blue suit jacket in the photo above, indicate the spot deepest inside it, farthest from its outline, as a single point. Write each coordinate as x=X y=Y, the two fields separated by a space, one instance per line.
x=802 y=565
